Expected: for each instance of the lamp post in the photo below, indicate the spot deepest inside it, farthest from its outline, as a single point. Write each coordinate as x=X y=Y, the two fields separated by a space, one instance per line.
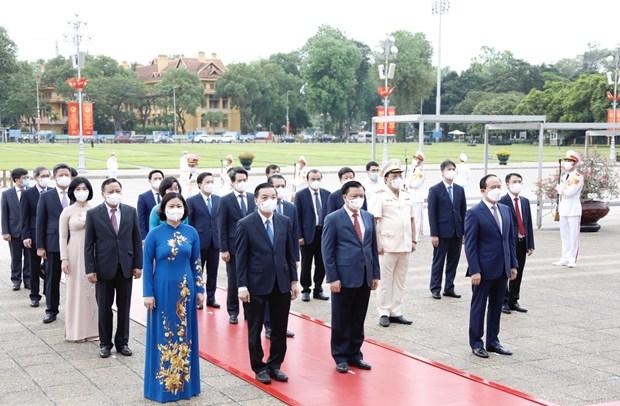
x=287 y=122
x=388 y=51
x=38 y=81
x=174 y=107
x=439 y=7
x=612 y=148
x=77 y=37
x=324 y=117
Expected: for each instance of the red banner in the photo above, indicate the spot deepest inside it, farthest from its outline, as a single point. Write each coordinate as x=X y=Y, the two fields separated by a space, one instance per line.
x=87 y=118
x=73 y=123
x=610 y=116
x=391 y=127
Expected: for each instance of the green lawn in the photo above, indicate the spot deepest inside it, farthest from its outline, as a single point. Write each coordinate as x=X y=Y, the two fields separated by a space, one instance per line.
x=166 y=156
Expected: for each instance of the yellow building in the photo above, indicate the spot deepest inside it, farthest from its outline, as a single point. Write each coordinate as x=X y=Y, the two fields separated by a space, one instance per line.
x=53 y=110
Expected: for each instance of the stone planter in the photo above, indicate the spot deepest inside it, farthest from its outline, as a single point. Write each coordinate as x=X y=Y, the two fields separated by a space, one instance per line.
x=591 y=212
x=246 y=163
x=503 y=159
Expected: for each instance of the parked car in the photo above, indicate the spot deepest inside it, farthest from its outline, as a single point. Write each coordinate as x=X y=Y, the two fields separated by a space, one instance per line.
x=327 y=138
x=288 y=138
x=246 y=138
x=162 y=139
x=207 y=138
x=263 y=135
x=229 y=137
x=129 y=139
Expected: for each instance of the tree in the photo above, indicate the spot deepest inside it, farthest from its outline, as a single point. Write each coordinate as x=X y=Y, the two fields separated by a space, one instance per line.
x=188 y=90
x=115 y=98
x=8 y=66
x=19 y=106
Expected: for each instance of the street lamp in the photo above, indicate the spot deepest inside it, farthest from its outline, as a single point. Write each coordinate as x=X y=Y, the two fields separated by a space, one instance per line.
x=174 y=107
x=78 y=61
x=388 y=51
x=287 y=123
x=38 y=81
x=324 y=117
x=439 y=7
x=615 y=59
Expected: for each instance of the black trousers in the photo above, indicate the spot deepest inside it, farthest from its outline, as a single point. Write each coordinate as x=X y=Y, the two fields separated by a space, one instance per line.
x=349 y=308
x=310 y=252
x=232 y=297
x=35 y=265
x=211 y=258
x=514 y=287
x=52 y=282
x=448 y=252
x=104 y=292
x=279 y=306
x=20 y=261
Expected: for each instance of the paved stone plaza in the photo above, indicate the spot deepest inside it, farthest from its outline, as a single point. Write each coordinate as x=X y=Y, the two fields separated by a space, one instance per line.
x=566 y=349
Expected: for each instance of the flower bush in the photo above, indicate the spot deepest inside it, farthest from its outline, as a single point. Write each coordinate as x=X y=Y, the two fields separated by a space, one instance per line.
x=246 y=155
x=504 y=152
x=601 y=179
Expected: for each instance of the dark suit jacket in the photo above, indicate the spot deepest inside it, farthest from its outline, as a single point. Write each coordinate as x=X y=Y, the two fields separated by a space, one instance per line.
x=305 y=211
x=30 y=200
x=11 y=221
x=227 y=217
x=48 y=214
x=526 y=212
x=336 y=201
x=290 y=211
x=104 y=250
x=344 y=255
x=146 y=202
x=203 y=221
x=489 y=252
x=446 y=219
x=259 y=264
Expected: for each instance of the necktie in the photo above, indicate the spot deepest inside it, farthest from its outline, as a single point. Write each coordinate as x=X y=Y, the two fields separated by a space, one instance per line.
x=64 y=200
x=114 y=221
x=494 y=210
x=450 y=193
x=319 y=208
x=280 y=208
x=209 y=204
x=358 y=229
x=519 y=218
x=158 y=198
x=269 y=230
x=244 y=207
x=19 y=195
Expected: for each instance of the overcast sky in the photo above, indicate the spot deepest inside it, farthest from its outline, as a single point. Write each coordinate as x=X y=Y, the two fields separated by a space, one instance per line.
x=241 y=31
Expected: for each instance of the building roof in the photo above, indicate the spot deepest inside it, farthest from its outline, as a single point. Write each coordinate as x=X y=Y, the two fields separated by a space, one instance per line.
x=206 y=69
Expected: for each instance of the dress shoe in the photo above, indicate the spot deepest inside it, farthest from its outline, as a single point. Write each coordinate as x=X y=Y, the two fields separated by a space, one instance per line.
x=104 y=352
x=452 y=294
x=499 y=349
x=34 y=303
x=233 y=319
x=436 y=295
x=320 y=296
x=561 y=262
x=305 y=297
x=16 y=286
x=277 y=375
x=342 y=367
x=517 y=307
x=268 y=332
x=263 y=377
x=199 y=307
x=290 y=334
x=571 y=264
x=125 y=350
x=213 y=304
x=27 y=286
x=506 y=309
x=480 y=352
x=400 y=320
x=49 y=318
x=360 y=364
x=384 y=321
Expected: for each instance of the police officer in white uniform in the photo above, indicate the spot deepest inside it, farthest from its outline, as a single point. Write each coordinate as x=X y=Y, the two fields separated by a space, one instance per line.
x=417 y=191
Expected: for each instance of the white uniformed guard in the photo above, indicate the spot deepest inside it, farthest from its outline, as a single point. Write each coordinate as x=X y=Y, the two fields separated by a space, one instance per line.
x=188 y=179
x=569 y=189
x=300 y=181
x=418 y=193
x=462 y=171
x=395 y=240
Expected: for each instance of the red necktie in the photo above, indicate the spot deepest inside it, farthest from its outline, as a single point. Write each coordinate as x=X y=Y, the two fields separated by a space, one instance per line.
x=358 y=229
x=519 y=219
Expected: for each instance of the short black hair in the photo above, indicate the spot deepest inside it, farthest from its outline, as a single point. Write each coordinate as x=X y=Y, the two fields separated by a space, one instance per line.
x=77 y=181
x=167 y=183
x=445 y=164
x=483 y=180
x=510 y=175
x=37 y=171
x=276 y=176
x=263 y=185
x=74 y=172
x=352 y=183
x=202 y=177
x=108 y=181
x=235 y=171
x=313 y=171
x=18 y=173
x=344 y=170
x=154 y=171
x=169 y=196
x=270 y=168
x=60 y=166
x=370 y=165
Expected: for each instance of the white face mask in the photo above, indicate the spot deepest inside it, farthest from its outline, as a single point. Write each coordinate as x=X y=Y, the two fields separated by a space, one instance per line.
x=26 y=182
x=241 y=186
x=81 y=195
x=192 y=170
x=114 y=199
x=44 y=182
x=155 y=184
x=208 y=187
x=494 y=195
x=281 y=192
x=515 y=188
x=449 y=174
x=63 y=181
x=397 y=183
x=315 y=184
x=175 y=214
x=268 y=206
x=374 y=176
x=567 y=166
x=356 y=204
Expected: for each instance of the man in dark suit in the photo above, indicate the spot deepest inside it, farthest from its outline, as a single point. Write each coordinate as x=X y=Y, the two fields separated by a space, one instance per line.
x=51 y=204
x=267 y=273
x=446 y=213
x=524 y=231
x=29 y=202
x=351 y=257
x=233 y=207
x=12 y=228
x=311 y=205
x=490 y=251
x=335 y=200
x=148 y=200
x=112 y=258
x=203 y=209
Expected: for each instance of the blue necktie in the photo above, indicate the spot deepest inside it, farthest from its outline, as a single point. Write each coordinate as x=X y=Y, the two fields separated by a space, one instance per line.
x=450 y=193
x=158 y=198
x=244 y=208
x=269 y=230
x=209 y=204
x=280 y=208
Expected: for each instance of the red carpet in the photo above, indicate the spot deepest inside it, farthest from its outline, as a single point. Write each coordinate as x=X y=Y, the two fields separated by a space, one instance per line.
x=396 y=378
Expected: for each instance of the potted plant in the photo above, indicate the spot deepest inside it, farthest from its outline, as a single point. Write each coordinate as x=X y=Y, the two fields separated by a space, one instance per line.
x=502 y=156
x=246 y=159
x=601 y=183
